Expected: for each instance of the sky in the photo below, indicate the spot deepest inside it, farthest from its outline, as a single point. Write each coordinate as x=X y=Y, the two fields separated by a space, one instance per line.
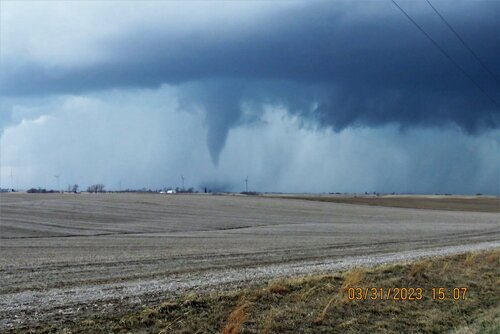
x=298 y=96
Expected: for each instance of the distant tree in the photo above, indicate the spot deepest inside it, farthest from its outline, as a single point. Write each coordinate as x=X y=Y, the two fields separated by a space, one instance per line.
x=96 y=188
x=75 y=188
x=40 y=191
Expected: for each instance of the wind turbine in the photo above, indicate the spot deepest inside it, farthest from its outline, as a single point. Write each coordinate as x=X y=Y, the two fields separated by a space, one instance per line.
x=57 y=177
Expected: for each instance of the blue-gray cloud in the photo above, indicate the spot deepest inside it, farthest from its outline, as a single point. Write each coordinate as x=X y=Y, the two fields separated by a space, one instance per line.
x=336 y=63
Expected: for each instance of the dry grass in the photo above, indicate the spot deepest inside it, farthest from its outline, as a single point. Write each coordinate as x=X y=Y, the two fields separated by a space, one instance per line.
x=446 y=266
x=470 y=259
x=278 y=288
x=236 y=319
x=487 y=323
x=307 y=293
x=419 y=268
x=320 y=318
x=268 y=322
x=313 y=304
x=493 y=257
x=353 y=278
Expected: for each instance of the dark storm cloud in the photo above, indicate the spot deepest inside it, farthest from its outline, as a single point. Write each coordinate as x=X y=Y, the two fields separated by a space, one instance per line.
x=339 y=64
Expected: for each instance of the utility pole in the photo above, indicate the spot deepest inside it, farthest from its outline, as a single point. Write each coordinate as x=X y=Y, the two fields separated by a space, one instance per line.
x=11 y=180
x=182 y=177
x=246 y=184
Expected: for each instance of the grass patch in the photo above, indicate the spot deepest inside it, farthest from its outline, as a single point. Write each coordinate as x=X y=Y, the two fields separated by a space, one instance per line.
x=320 y=304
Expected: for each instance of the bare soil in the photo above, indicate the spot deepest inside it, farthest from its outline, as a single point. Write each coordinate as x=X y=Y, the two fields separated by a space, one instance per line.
x=427 y=202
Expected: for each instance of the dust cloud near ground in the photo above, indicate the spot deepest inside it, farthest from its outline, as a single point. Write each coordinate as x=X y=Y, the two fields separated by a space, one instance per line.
x=64 y=252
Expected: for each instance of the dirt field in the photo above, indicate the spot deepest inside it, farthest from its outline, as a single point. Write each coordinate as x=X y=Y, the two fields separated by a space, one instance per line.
x=61 y=253
x=427 y=202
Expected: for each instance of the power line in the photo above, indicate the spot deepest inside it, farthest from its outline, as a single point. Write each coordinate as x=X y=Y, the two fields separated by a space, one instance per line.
x=464 y=43
x=445 y=54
